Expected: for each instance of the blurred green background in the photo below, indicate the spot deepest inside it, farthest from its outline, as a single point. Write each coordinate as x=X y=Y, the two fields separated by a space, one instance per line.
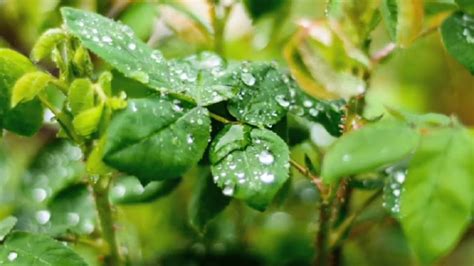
x=421 y=78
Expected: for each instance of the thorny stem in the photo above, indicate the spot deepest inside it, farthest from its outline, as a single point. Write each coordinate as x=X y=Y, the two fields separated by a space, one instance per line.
x=100 y=191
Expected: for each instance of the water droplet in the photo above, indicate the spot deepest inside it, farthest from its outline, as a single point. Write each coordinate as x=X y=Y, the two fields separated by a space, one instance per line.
x=346 y=158
x=88 y=227
x=313 y=112
x=228 y=191
x=119 y=190
x=43 y=216
x=190 y=139
x=107 y=39
x=39 y=194
x=399 y=177
x=396 y=192
x=73 y=218
x=307 y=103
x=267 y=178
x=281 y=100
x=266 y=157
x=12 y=256
x=132 y=46
x=248 y=79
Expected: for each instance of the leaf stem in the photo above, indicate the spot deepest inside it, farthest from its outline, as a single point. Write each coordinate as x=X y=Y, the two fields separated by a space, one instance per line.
x=221 y=119
x=306 y=172
x=100 y=191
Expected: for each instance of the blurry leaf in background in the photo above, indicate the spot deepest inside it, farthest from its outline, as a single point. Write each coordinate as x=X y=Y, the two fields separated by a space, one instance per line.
x=259 y=8
x=250 y=164
x=157 y=138
x=21 y=248
x=321 y=67
x=72 y=211
x=129 y=190
x=366 y=149
x=56 y=167
x=458 y=37
x=466 y=5
x=25 y=118
x=6 y=225
x=140 y=17
x=404 y=19
x=436 y=197
x=207 y=202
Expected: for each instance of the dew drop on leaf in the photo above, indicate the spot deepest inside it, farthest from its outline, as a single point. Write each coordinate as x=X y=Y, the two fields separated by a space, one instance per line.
x=248 y=79
x=228 y=191
x=267 y=178
x=12 y=256
x=42 y=216
x=266 y=157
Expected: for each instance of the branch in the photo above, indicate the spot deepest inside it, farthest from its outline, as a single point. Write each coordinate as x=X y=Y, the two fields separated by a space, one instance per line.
x=346 y=226
x=306 y=172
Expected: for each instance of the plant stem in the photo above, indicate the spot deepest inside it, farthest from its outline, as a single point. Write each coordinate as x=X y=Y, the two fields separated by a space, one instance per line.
x=322 y=237
x=346 y=225
x=101 y=195
x=306 y=172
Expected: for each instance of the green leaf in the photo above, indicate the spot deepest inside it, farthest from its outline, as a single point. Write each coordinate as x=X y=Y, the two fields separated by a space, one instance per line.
x=29 y=86
x=263 y=98
x=437 y=196
x=95 y=165
x=72 y=210
x=404 y=19
x=205 y=77
x=250 y=164
x=23 y=248
x=56 y=167
x=6 y=225
x=207 y=202
x=157 y=138
x=46 y=43
x=80 y=96
x=429 y=119
x=371 y=147
x=129 y=190
x=259 y=8
x=389 y=13
x=327 y=113
x=87 y=122
x=24 y=119
x=117 y=45
x=466 y=5
x=458 y=37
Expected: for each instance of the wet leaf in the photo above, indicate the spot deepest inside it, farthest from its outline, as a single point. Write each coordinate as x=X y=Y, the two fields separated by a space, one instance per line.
x=72 y=210
x=117 y=45
x=157 y=138
x=250 y=164
x=366 y=149
x=24 y=119
x=207 y=202
x=129 y=190
x=23 y=248
x=437 y=197
x=263 y=98
x=6 y=225
x=458 y=37
x=466 y=5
